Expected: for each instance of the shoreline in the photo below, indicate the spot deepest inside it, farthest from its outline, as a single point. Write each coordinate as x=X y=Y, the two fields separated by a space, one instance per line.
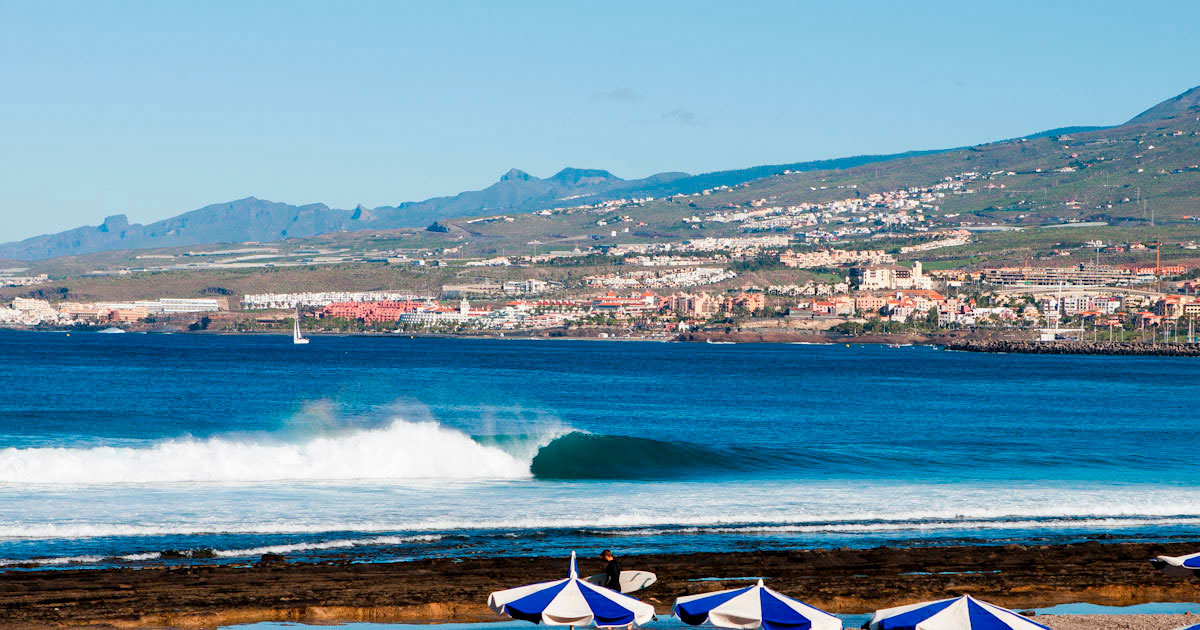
x=951 y=341
x=848 y=581
x=765 y=336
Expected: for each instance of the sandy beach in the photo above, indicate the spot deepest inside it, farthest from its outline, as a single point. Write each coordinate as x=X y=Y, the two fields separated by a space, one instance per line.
x=455 y=590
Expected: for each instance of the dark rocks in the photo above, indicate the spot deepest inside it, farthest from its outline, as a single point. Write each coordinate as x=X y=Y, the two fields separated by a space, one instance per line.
x=1119 y=348
x=202 y=553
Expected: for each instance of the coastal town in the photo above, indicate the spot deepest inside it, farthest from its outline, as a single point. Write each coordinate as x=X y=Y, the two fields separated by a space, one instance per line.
x=662 y=291
x=790 y=255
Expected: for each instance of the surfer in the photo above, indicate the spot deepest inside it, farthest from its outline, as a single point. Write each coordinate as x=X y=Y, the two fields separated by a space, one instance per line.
x=612 y=571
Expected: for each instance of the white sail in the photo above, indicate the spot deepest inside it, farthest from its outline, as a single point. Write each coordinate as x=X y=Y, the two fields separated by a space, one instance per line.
x=296 y=336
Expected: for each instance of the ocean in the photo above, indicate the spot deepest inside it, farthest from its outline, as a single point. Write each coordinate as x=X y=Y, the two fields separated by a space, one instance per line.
x=146 y=450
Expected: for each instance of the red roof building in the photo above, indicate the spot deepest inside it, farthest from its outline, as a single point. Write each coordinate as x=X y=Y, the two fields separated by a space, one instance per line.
x=372 y=312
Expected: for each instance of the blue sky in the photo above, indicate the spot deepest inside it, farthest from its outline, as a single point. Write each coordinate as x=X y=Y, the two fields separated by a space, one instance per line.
x=152 y=109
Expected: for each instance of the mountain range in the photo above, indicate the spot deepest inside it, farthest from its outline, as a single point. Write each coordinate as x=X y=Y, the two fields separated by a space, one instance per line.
x=253 y=219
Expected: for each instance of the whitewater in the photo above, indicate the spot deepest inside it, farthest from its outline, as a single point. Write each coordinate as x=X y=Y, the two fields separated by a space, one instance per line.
x=399 y=451
x=240 y=523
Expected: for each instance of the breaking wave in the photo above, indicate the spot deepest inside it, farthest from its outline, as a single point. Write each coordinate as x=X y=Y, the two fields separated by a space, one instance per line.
x=399 y=451
x=402 y=450
x=415 y=451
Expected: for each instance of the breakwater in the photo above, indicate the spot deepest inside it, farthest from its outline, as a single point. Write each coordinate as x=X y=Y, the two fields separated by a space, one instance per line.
x=1123 y=348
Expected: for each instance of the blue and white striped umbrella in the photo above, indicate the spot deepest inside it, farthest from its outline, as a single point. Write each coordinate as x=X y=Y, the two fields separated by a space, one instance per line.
x=959 y=613
x=570 y=602
x=1195 y=627
x=1178 y=566
x=753 y=607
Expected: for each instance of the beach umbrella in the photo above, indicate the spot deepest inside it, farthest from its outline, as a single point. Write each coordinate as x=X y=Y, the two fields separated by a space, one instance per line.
x=1195 y=627
x=753 y=607
x=959 y=613
x=570 y=602
x=1178 y=566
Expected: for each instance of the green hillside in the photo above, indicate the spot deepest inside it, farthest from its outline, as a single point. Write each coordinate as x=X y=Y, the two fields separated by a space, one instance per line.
x=1041 y=197
x=1142 y=180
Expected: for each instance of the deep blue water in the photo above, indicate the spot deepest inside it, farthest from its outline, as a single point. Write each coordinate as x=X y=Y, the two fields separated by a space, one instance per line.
x=114 y=448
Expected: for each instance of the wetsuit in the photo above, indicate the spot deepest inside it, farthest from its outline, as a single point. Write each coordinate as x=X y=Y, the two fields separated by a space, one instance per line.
x=612 y=571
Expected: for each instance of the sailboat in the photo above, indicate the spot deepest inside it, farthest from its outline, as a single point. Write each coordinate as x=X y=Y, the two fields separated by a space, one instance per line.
x=296 y=336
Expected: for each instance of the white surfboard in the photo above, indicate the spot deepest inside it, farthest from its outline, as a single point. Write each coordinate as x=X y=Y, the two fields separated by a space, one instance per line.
x=630 y=580
x=1170 y=565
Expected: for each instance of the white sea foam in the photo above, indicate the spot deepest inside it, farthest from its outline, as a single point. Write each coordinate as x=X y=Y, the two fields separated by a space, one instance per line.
x=329 y=544
x=141 y=557
x=1087 y=523
x=619 y=525
x=233 y=553
x=7 y=562
x=400 y=451
x=881 y=527
x=957 y=525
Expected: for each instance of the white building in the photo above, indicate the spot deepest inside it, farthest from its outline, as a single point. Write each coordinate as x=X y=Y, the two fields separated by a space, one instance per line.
x=1074 y=304
x=325 y=298
x=439 y=315
x=835 y=257
x=180 y=305
x=34 y=312
x=892 y=277
x=23 y=281
x=532 y=286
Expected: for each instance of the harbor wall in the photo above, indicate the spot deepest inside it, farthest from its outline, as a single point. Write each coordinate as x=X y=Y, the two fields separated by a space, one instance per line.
x=1125 y=348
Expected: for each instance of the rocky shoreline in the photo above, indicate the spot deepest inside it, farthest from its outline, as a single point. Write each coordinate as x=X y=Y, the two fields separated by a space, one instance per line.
x=455 y=589
x=1118 y=348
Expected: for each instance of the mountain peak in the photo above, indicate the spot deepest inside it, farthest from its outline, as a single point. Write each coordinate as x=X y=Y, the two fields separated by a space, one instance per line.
x=1169 y=108
x=114 y=223
x=516 y=174
x=584 y=176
